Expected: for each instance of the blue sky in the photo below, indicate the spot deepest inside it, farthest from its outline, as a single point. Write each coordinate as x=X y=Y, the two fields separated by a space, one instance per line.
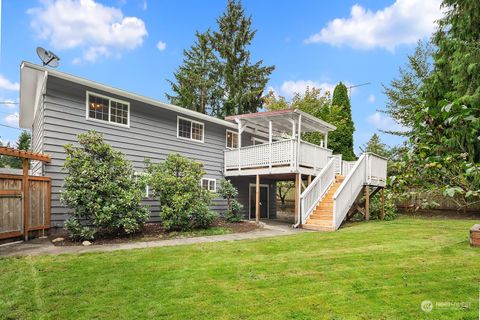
x=137 y=44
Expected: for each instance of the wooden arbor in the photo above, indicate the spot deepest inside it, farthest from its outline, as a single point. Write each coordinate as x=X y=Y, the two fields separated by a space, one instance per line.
x=25 y=188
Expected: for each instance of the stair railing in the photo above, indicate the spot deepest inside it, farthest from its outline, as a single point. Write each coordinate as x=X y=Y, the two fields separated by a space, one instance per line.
x=316 y=190
x=348 y=190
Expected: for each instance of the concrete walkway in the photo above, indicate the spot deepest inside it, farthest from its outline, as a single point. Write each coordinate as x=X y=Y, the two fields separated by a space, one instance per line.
x=45 y=247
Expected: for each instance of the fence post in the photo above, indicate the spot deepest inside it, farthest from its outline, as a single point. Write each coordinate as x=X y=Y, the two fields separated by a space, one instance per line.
x=25 y=199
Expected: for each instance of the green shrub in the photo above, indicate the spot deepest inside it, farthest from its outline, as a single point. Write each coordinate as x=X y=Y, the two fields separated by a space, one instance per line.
x=391 y=211
x=77 y=231
x=229 y=192
x=100 y=188
x=176 y=183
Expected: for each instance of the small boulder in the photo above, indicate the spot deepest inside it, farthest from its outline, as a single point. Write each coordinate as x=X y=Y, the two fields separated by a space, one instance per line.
x=58 y=240
x=86 y=243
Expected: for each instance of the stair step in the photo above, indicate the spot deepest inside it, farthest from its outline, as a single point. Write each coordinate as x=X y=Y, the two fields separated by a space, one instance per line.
x=324 y=216
x=317 y=228
x=323 y=210
x=321 y=223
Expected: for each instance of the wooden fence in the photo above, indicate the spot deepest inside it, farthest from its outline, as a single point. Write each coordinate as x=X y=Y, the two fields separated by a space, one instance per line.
x=445 y=203
x=15 y=221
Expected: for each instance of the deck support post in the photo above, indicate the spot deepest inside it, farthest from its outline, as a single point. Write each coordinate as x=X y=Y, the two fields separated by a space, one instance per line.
x=25 y=199
x=257 y=199
x=382 y=213
x=297 y=197
x=367 y=202
x=309 y=180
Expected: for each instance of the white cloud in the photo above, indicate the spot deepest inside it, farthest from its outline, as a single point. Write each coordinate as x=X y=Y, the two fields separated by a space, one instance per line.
x=289 y=88
x=8 y=103
x=161 y=45
x=8 y=85
x=144 y=5
x=382 y=122
x=371 y=98
x=99 y=30
x=403 y=22
x=12 y=119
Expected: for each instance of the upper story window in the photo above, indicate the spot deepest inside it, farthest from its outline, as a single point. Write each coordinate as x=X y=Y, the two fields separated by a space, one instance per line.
x=231 y=139
x=107 y=109
x=189 y=129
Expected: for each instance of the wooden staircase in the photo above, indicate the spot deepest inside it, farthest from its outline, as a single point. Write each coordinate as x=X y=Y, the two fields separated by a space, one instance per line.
x=321 y=218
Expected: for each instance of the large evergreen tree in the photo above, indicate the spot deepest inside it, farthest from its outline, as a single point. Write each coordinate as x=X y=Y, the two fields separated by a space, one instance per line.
x=243 y=82
x=196 y=84
x=217 y=76
x=340 y=115
x=404 y=92
x=23 y=143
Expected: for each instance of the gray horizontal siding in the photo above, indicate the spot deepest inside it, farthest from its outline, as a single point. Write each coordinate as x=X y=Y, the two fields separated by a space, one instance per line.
x=37 y=138
x=152 y=134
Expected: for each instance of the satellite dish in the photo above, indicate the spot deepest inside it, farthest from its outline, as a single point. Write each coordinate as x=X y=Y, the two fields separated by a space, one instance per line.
x=48 y=57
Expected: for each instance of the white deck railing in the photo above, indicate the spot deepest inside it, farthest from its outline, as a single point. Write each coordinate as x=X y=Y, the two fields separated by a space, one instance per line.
x=369 y=169
x=278 y=153
x=313 y=156
x=317 y=190
x=376 y=170
x=347 y=166
x=262 y=155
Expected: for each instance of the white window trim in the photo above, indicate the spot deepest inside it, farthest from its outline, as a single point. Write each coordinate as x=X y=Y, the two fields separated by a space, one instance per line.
x=110 y=99
x=209 y=180
x=191 y=128
x=226 y=141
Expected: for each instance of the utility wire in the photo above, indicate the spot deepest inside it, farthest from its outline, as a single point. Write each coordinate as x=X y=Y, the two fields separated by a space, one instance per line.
x=4 y=125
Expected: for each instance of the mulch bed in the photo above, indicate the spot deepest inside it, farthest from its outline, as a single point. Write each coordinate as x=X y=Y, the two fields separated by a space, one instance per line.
x=152 y=232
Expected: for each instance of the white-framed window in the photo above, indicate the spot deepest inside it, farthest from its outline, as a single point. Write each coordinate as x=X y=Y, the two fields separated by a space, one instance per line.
x=106 y=109
x=231 y=138
x=190 y=129
x=209 y=184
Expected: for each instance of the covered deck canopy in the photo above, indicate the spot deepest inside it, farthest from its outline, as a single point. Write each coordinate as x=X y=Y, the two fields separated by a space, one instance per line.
x=280 y=122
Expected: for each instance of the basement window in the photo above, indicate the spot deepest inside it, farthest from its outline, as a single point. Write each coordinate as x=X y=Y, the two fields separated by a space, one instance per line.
x=209 y=184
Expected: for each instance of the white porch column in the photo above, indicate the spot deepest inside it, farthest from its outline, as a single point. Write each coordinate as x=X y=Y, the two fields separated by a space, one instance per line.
x=292 y=163
x=239 y=123
x=270 y=142
x=326 y=139
x=299 y=136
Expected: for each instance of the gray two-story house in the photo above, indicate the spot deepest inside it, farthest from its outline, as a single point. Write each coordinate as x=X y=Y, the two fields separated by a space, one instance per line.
x=253 y=150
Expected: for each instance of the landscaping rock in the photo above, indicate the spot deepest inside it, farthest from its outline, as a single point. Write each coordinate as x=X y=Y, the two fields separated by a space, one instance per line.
x=58 y=240
x=86 y=243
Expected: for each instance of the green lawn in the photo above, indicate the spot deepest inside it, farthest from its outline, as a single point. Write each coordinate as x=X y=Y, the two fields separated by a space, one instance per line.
x=376 y=270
